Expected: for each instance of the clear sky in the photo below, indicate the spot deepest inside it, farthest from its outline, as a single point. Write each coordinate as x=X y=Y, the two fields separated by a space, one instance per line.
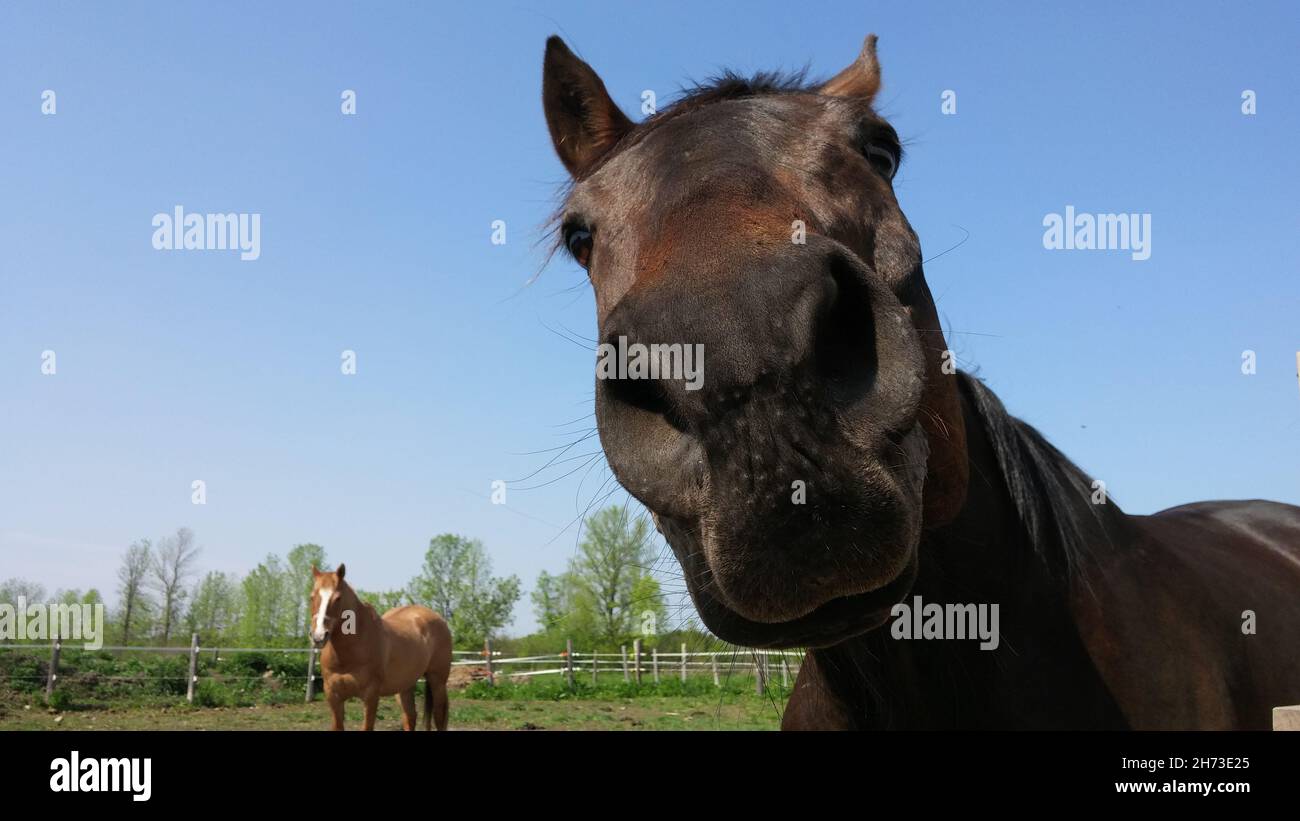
x=376 y=229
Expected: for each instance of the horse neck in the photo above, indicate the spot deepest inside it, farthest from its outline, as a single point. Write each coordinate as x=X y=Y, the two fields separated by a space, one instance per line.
x=349 y=646
x=986 y=544
x=1040 y=675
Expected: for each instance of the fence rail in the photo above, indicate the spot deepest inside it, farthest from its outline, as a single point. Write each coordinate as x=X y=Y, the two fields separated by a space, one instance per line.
x=762 y=664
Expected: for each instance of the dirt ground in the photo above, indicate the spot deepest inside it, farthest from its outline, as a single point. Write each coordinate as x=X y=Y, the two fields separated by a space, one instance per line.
x=659 y=713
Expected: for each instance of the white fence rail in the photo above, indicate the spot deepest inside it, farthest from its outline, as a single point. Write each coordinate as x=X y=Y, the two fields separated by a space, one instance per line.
x=762 y=664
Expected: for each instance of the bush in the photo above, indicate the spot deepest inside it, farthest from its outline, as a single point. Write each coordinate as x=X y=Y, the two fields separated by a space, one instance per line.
x=132 y=678
x=209 y=693
x=555 y=688
x=61 y=700
x=22 y=672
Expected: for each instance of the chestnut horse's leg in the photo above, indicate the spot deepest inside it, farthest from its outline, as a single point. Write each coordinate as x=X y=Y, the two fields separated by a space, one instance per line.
x=428 y=702
x=336 y=708
x=372 y=707
x=439 y=689
x=406 y=700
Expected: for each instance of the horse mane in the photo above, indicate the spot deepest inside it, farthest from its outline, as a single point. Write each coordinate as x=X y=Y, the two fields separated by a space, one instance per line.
x=1052 y=496
x=362 y=604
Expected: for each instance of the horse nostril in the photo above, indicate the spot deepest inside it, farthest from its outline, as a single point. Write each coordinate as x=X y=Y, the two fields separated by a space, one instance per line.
x=647 y=395
x=845 y=350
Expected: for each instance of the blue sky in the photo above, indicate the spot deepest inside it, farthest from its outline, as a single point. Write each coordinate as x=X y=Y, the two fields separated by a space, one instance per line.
x=175 y=366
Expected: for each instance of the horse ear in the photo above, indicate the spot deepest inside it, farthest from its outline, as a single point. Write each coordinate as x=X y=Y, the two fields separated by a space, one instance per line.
x=342 y=570
x=861 y=79
x=314 y=572
x=584 y=121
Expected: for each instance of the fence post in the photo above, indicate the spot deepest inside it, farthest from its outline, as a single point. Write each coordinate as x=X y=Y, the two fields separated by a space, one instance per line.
x=785 y=672
x=595 y=662
x=568 y=659
x=683 y=662
x=1286 y=718
x=54 y=666
x=716 y=681
x=311 y=674
x=194 y=667
x=623 y=649
x=759 y=683
x=654 y=662
x=487 y=652
x=636 y=660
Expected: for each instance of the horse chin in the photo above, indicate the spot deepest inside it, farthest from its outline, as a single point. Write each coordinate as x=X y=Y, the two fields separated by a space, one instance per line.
x=828 y=624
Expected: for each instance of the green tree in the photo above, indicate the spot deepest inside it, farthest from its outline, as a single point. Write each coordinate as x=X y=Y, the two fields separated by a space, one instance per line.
x=75 y=596
x=486 y=603
x=384 y=600
x=301 y=559
x=31 y=592
x=614 y=597
x=266 y=613
x=646 y=606
x=456 y=581
x=213 y=606
x=553 y=601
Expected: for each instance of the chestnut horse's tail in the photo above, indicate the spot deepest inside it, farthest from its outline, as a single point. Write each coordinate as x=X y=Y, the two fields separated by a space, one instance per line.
x=428 y=702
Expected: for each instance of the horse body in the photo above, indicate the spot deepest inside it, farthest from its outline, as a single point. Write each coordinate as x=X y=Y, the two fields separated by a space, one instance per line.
x=755 y=219
x=383 y=656
x=1194 y=622
x=1141 y=628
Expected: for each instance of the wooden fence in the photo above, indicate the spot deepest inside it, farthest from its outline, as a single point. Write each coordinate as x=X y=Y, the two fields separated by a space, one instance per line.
x=636 y=665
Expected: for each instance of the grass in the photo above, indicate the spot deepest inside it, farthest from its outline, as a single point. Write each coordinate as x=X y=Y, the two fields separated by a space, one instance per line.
x=264 y=691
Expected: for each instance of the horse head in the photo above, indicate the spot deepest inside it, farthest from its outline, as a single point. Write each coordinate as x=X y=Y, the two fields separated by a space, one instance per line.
x=755 y=222
x=330 y=597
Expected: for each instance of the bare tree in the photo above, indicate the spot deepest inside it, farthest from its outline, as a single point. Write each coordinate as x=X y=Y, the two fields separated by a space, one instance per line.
x=172 y=566
x=131 y=577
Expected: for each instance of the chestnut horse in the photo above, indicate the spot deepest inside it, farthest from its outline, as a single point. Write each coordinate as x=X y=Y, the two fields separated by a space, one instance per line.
x=831 y=465
x=367 y=656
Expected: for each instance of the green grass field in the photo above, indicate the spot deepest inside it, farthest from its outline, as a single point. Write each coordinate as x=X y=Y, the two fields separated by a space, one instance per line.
x=692 y=712
x=264 y=691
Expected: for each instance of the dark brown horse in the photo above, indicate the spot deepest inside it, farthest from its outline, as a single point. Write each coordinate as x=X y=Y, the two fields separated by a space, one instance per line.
x=830 y=465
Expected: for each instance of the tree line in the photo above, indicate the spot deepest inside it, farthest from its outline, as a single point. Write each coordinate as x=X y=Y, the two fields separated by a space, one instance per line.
x=606 y=595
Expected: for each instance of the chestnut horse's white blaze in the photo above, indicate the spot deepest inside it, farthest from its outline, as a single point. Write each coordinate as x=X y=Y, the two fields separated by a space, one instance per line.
x=319 y=633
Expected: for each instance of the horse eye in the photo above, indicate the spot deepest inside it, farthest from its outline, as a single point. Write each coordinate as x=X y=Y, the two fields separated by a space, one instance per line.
x=884 y=160
x=578 y=241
